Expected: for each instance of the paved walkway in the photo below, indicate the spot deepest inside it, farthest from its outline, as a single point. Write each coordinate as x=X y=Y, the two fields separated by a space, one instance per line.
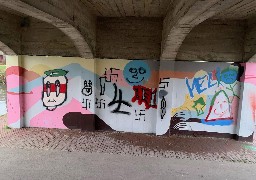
x=60 y=165
x=180 y=147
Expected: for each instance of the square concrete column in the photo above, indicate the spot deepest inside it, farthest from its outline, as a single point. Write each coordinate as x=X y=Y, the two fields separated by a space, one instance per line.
x=14 y=81
x=247 y=104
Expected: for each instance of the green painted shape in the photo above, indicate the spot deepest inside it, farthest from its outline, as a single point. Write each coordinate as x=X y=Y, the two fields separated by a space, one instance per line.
x=56 y=72
x=199 y=101
x=253 y=148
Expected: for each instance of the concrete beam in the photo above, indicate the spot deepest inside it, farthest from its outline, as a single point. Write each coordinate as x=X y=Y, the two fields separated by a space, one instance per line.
x=9 y=33
x=6 y=49
x=182 y=17
x=250 y=41
x=252 y=59
x=41 y=38
x=71 y=17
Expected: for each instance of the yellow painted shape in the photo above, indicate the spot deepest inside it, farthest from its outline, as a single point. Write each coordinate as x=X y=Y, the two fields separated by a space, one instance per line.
x=200 y=73
x=55 y=62
x=187 y=105
x=12 y=61
x=40 y=69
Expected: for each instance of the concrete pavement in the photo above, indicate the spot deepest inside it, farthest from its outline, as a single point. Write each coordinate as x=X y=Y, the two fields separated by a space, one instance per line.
x=180 y=147
x=36 y=153
x=38 y=164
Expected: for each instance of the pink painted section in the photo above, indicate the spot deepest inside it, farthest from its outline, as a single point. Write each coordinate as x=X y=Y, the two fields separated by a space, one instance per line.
x=252 y=97
x=32 y=98
x=28 y=101
x=13 y=81
x=15 y=100
x=53 y=119
x=234 y=108
x=13 y=105
x=250 y=73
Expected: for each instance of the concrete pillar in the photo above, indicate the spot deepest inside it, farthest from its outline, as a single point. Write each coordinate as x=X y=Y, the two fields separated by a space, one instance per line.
x=165 y=98
x=246 y=111
x=14 y=81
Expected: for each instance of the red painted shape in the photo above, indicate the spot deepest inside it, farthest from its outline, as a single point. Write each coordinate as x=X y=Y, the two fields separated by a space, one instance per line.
x=20 y=71
x=13 y=93
x=53 y=88
x=253 y=105
x=145 y=95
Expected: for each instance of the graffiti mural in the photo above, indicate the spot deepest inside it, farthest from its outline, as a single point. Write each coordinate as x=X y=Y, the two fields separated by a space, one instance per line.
x=133 y=95
x=211 y=102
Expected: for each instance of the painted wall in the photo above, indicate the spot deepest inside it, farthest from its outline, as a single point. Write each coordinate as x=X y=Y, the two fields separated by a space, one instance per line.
x=131 y=96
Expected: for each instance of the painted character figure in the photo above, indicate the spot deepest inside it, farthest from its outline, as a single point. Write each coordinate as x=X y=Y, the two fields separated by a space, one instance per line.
x=136 y=72
x=220 y=108
x=54 y=89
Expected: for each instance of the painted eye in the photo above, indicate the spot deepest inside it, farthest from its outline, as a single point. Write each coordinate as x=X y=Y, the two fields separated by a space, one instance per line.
x=90 y=83
x=85 y=83
x=57 y=86
x=133 y=70
x=142 y=70
x=48 y=88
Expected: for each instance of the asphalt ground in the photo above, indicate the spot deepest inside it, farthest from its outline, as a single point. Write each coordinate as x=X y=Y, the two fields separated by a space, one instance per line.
x=36 y=164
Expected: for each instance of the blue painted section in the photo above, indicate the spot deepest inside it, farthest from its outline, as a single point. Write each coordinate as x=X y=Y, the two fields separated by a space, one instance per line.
x=136 y=72
x=76 y=70
x=198 y=83
x=210 y=81
x=225 y=122
x=229 y=77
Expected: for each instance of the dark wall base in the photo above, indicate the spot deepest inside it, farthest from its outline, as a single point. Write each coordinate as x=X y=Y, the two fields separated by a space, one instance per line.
x=91 y=122
x=246 y=139
x=85 y=122
x=173 y=131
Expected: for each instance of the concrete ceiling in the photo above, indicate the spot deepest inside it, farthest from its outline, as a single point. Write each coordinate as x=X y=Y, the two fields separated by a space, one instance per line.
x=245 y=9
x=124 y=8
x=78 y=18
x=11 y=11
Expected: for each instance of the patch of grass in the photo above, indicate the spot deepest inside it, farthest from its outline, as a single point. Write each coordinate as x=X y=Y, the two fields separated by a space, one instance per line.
x=2 y=67
x=7 y=127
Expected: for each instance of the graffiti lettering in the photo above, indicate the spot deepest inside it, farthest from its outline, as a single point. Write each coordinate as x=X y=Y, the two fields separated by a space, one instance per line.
x=86 y=103
x=111 y=76
x=87 y=90
x=199 y=84
x=145 y=95
x=163 y=107
x=140 y=114
x=164 y=83
x=120 y=101
x=100 y=104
